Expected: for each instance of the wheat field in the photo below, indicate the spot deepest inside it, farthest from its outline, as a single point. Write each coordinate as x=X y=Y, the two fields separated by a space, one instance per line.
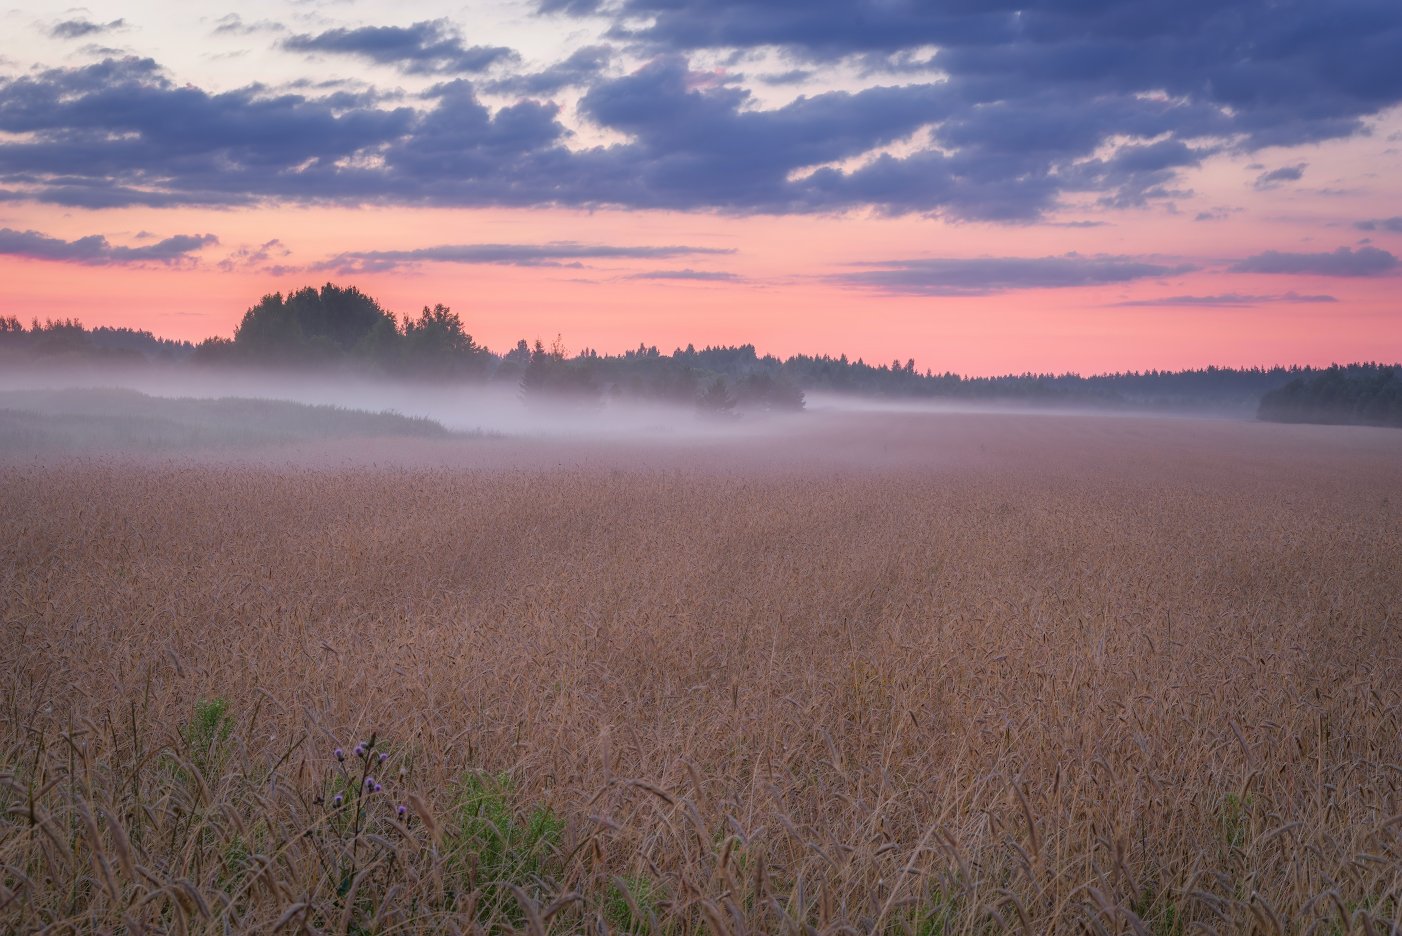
x=901 y=673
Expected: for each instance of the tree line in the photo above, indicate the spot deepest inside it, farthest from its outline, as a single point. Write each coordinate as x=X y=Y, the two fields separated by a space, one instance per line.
x=343 y=328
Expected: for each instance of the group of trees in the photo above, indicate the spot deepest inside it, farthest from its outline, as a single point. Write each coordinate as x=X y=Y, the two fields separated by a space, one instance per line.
x=335 y=325
x=342 y=327
x=1353 y=394
x=345 y=326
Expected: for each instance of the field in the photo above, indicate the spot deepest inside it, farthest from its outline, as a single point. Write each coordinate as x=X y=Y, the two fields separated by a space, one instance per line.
x=878 y=673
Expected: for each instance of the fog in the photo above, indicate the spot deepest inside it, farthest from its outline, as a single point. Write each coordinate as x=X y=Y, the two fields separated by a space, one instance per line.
x=483 y=408
x=58 y=411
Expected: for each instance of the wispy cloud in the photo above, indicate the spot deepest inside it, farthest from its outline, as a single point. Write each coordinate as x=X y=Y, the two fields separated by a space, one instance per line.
x=261 y=257
x=1393 y=225
x=986 y=276
x=1346 y=261
x=554 y=254
x=96 y=250
x=1278 y=177
x=708 y=276
x=232 y=24
x=82 y=28
x=1225 y=300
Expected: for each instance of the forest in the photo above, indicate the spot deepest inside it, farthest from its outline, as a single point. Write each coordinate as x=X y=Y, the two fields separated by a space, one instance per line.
x=1355 y=394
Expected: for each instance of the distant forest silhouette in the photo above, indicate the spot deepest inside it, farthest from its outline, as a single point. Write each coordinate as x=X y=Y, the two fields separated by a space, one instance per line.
x=342 y=328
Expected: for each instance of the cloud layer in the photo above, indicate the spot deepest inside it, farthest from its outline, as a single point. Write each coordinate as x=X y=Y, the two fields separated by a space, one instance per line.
x=82 y=28
x=96 y=250
x=983 y=276
x=427 y=47
x=1345 y=261
x=555 y=254
x=1224 y=300
x=1021 y=110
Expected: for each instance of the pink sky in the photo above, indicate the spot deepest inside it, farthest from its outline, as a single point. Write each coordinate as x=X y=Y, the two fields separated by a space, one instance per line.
x=787 y=288
x=785 y=302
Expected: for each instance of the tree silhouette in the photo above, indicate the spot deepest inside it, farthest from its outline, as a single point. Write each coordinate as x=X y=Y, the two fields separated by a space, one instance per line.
x=552 y=379
x=437 y=344
x=716 y=402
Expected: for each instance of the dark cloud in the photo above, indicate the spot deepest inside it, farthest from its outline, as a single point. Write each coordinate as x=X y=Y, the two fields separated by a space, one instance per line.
x=1365 y=261
x=1277 y=63
x=707 y=276
x=96 y=250
x=1099 y=102
x=81 y=28
x=1381 y=224
x=580 y=68
x=1033 y=90
x=1226 y=300
x=699 y=146
x=121 y=133
x=555 y=254
x=985 y=276
x=1274 y=178
x=426 y=47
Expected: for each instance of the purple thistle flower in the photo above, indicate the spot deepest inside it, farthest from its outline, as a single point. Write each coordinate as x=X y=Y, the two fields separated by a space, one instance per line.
x=340 y=754
x=402 y=810
x=378 y=788
x=369 y=783
x=383 y=757
x=360 y=749
x=337 y=800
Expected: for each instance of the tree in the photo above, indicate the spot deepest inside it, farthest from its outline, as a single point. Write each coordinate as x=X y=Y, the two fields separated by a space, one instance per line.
x=436 y=343
x=312 y=324
x=551 y=379
x=764 y=392
x=57 y=336
x=716 y=402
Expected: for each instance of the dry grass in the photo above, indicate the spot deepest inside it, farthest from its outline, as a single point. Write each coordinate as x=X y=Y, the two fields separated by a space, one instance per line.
x=1016 y=673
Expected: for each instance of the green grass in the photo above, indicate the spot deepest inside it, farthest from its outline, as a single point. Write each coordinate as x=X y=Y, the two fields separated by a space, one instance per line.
x=496 y=846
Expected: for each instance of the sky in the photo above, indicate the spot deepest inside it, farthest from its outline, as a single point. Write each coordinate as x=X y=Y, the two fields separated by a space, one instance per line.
x=982 y=185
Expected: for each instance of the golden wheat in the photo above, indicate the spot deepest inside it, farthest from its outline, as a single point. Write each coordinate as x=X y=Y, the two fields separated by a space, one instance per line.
x=911 y=674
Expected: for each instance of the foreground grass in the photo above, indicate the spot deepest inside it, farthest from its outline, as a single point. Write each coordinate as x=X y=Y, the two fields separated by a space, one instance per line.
x=1145 y=681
